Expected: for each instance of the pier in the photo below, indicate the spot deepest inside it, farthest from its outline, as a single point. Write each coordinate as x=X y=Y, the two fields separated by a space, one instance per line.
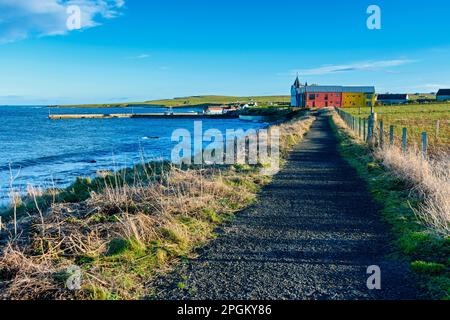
x=143 y=115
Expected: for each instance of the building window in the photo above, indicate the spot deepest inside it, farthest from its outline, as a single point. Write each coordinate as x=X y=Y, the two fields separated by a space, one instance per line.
x=312 y=97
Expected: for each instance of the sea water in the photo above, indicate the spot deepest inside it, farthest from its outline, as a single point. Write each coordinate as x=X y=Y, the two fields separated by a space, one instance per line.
x=44 y=153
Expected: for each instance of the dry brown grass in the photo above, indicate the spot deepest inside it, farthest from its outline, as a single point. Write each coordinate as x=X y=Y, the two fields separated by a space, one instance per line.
x=139 y=214
x=125 y=234
x=429 y=178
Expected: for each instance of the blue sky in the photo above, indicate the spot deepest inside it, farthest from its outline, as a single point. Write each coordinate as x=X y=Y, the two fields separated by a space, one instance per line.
x=134 y=50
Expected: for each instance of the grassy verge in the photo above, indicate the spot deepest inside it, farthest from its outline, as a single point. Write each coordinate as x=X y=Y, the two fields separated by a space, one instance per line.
x=427 y=251
x=120 y=231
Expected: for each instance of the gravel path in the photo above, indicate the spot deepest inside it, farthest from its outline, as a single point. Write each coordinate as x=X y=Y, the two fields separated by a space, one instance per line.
x=311 y=235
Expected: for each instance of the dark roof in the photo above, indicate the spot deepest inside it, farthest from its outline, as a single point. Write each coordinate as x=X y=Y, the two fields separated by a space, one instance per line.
x=297 y=83
x=443 y=92
x=392 y=97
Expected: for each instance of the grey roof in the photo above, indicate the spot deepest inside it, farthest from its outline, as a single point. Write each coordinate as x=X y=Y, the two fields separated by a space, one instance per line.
x=338 y=89
x=323 y=89
x=358 y=89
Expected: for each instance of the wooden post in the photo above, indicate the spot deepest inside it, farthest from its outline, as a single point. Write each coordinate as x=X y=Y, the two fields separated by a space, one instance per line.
x=381 y=134
x=359 y=127
x=424 y=145
x=370 y=131
x=436 y=135
x=374 y=128
x=364 y=129
x=391 y=136
x=404 y=140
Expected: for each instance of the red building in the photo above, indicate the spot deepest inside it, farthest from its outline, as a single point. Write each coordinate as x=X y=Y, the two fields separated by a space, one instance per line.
x=323 y=96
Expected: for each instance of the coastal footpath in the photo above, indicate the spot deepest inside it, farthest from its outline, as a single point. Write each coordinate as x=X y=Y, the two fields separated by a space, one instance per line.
x=337 y=211
x=312 y=234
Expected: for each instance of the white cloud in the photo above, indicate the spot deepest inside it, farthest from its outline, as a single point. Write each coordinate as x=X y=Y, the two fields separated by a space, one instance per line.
x=139 y=57
x=21 y=19
x=358 y=66
x=143 y=56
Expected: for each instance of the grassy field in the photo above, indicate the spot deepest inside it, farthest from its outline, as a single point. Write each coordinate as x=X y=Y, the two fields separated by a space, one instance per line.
x=417 y=118
x=195 y=101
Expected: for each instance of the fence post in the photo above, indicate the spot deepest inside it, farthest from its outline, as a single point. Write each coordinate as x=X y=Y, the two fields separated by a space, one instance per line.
x=391 y=136
x=371 y=128
x=437 y=130
x=424 y=145
x=404 y=140
x=359 y=127
x=364 y=130
x=381 y=134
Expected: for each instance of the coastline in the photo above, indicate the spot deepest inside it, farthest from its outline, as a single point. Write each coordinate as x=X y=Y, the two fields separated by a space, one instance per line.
x=120 y=201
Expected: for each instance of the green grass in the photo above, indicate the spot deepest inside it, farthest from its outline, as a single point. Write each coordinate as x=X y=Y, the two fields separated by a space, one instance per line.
x=196 y=101
x=427 y=253
x=417 y=118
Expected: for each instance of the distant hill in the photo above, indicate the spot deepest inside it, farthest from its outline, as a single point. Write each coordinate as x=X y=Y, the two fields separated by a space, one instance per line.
x=193 y=101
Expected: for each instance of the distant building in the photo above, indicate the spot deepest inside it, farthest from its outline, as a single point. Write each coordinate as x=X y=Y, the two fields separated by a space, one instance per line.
x=393 y=98
x=213 y=110
x=443 y=95
x=248 y=105
x=316 y=96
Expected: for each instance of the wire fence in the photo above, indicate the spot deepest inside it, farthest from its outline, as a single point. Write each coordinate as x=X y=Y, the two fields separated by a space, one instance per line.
x=380 y=134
